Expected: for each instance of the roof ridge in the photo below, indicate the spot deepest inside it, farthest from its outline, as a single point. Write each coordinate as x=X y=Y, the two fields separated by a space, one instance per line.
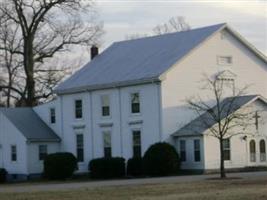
x=172 y=33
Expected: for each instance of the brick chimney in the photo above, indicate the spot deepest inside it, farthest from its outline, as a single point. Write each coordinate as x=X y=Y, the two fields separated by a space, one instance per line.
x=94 y=52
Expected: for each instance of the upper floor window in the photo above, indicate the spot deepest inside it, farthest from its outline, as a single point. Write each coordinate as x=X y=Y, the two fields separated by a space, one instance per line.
x=107 y=144
x=225 y=60
x=78 y=109
x=42 y=152
x=52 y=115
x=105 y=104
x=135 y=103
x=13 y=153
x=197 y=150
x=137 y=144
x=80 y=147
x=183 y=150
x=226 y=149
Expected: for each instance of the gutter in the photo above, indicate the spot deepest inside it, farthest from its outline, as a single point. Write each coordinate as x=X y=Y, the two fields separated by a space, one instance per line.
x=187 y=135
x=43 y=140
x=106 y=86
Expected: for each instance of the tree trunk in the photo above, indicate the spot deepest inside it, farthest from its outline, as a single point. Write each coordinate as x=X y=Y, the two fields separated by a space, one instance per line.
x=222 y=169
x=9 y=91
x=29 y=69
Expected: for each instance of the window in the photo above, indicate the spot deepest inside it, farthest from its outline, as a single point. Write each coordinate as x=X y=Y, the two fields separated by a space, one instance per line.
x=197 y=150
x=183 y=150
x=79 y=147
x=42 y=152
x=52 y=115
x=226 y=149
x=135 y=103
x=13 y=153
x=137 y=152
x=78 y=109
x=225 y=82
x=105 y=105
x=262 y=151
x=107 y=144
x=225 y=60
x=252 y=150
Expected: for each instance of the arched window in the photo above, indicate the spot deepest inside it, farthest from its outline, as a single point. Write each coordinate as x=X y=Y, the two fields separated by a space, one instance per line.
x=262 y=151
x=252 y=150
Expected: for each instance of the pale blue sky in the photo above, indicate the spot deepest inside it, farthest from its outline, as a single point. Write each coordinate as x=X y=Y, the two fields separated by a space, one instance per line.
x=122 y=17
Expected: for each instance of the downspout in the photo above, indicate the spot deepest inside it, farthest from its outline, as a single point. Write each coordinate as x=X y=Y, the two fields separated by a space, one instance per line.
x=1 y=147
x=160 y=111
x=92 y=122
x=62 y=126
x=247 y=157
x=204 y=152
x=27 y=145
x=120 y=111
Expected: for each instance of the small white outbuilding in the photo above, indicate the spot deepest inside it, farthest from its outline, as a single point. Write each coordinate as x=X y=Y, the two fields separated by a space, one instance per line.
x=25 y=140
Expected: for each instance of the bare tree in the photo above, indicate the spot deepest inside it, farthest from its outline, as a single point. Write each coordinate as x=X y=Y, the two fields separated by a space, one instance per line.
x=175 y=24
x=223 y=118
x=46 y=29
x=9 y=64
x=135 y=36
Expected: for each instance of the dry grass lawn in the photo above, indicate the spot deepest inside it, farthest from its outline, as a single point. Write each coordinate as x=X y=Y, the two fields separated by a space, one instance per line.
x=209 y=189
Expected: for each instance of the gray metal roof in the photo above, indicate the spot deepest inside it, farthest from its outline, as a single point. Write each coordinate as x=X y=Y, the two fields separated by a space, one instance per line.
x=205 y=121
x=136 y=61
x=30 y=124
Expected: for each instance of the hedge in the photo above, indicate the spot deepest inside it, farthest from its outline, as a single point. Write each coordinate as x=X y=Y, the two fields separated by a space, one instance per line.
x=59 y=165
x=161 y=159
x=105 y=168
x=135 y=167
x=3 y=175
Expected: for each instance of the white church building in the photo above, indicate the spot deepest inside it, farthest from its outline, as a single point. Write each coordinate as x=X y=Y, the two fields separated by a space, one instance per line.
x=133 y=95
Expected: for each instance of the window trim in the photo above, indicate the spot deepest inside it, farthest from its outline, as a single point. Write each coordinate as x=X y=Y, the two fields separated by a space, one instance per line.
x=74 y=114
x=184 y=150
x=39 y=152
x=262 y=154
x=227 y=149
x=78 y=148
x=104 y=146
x=199 y=150
x=252 y=155
x=50 y=115
x=133 y=145
x=224 y=56
x=226 y=83
x=101 y=106
x=130 y=103
x=11 y=153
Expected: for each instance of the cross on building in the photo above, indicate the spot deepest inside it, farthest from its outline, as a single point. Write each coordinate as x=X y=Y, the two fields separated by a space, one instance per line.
x=257 y=117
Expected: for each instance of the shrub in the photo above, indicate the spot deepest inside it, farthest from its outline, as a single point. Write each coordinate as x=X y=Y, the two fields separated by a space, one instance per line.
x=161 y=159
x=135 y=167
x=107 y=168
x=59 y=165
x=3 y=175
